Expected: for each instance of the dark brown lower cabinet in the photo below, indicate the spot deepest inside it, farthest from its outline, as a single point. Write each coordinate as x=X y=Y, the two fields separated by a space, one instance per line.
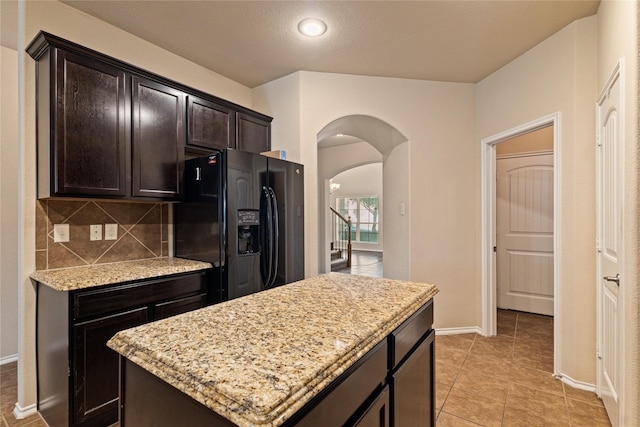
x=392 y=385
x=95 y=387
x=78 y=375
x=412 y=387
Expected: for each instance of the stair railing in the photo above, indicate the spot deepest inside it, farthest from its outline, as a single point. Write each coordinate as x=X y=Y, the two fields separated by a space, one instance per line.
x=341 y=235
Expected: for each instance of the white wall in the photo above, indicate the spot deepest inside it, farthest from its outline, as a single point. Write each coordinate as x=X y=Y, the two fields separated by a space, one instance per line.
x=559 y=75
x=64 y=21
x=8 y=205
x=363 y=181
x=437 y=238
x=618 y=28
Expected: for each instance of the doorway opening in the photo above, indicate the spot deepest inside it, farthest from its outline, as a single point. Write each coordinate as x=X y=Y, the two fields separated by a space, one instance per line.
x=347 y=147
x=357 y=196
x=529 y=270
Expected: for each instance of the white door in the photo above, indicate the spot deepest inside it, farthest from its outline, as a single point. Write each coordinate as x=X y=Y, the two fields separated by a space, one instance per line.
x=609 y=237
x=524 y=227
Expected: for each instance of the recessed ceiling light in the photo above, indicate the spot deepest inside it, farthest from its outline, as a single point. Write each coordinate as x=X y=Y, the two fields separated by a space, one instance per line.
x=312 y=27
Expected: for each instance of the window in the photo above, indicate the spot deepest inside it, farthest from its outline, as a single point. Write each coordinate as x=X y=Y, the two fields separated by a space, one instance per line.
x=363 y=212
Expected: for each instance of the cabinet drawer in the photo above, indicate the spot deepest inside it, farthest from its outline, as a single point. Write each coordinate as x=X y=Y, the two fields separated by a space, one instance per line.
x=335 y=405
x=171 y=308
x=407 y=335
x=121 y=297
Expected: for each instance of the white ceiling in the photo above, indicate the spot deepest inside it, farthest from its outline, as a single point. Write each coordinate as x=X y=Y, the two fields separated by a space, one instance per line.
x=253 y=42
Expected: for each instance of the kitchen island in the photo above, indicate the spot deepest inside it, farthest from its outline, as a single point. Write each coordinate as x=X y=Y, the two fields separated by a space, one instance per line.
x=328 y=350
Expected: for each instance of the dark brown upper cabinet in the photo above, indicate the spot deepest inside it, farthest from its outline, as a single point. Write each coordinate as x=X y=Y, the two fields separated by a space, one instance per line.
x=254 y=133
x=82 y=104
x=108 y=129
x=211 y=126
x=158 y=137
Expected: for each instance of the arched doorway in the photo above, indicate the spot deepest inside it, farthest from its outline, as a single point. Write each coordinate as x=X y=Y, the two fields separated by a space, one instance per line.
x=357 y=140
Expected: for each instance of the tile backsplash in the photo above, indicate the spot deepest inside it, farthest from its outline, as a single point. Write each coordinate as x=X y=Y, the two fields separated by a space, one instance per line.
x=143 y=232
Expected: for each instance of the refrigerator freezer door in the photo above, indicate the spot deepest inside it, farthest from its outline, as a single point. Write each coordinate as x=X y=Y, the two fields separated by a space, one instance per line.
x=199 y=221
x=242 y=193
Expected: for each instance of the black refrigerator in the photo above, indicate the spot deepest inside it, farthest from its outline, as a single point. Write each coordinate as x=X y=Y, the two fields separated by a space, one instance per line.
x=243 y=213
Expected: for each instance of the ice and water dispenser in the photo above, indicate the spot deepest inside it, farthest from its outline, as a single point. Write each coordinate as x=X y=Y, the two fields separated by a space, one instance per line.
x=248 y=231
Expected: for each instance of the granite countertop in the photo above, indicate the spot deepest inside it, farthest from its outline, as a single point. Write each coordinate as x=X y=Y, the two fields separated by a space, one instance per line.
x=257 y=360
x=74 y=278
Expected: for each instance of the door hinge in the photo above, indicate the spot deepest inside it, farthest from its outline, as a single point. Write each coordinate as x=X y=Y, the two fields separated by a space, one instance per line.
x=495 y=249
x=598 y=143
x=598 y=351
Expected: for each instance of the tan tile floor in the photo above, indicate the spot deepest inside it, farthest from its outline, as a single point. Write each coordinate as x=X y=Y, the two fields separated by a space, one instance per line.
x=507 y=380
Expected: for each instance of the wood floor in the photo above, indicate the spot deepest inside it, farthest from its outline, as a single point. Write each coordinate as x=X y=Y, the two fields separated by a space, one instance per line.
x=365 y=263
x=9 y=397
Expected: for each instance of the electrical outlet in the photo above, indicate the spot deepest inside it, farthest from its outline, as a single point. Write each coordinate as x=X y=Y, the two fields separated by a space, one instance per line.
x=111 y=232
x=60 y=233
x=95 y=232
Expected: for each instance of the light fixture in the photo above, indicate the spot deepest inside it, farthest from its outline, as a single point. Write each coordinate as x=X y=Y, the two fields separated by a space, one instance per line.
x=312 y=27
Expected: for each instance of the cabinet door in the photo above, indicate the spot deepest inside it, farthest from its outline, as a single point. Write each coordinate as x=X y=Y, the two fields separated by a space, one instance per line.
x=158 y=140
x=377 y=414
x=413 y=391
x=209 y=125
x=89 y=142
x=96 y=369
x=253 y=133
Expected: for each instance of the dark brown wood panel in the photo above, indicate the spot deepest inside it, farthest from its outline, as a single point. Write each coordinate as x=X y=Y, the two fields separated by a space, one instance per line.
x=253 y=133
x=89 y=126
x=96 y=367
x=210 y=125
x=54 y=380
x=413 y=387
x=158 y=139
x=149 y=401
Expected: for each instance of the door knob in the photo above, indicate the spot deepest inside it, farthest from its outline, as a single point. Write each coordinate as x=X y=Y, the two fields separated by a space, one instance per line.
x=615 y=279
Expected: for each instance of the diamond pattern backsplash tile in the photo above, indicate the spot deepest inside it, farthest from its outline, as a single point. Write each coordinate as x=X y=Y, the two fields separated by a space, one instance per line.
x=142 y=232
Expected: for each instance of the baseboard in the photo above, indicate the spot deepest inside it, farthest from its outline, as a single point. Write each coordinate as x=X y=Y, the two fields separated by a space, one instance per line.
x=19 y=412
x=8 y=359
x=456 y=331
x=577 y=384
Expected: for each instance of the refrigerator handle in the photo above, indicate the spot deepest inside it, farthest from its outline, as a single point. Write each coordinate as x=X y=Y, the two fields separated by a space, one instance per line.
x=222 y=213
x=275 y=233
x=266 y=260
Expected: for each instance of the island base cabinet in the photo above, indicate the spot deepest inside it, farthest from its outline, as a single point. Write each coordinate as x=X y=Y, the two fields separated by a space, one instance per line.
x=148 y=401
x=413 y=387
